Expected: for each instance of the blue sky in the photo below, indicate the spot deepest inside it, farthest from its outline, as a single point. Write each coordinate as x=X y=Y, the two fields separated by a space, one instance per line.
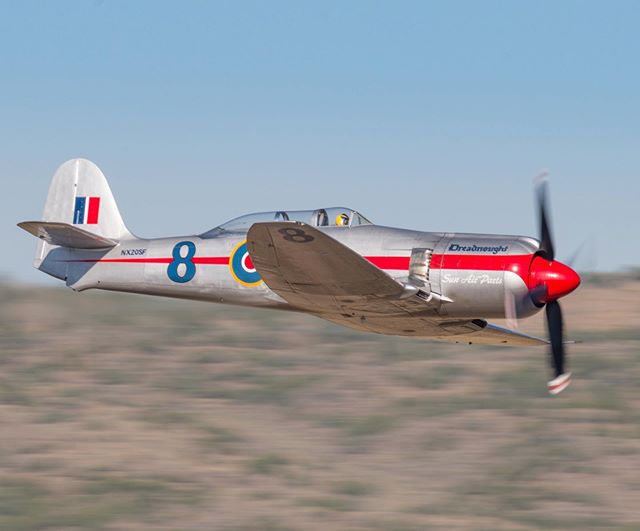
x=433 y=116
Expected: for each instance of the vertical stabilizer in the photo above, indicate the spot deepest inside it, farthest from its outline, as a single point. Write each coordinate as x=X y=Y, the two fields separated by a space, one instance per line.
x=80 y=195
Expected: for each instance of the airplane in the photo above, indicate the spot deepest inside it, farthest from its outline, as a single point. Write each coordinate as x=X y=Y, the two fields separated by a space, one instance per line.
x=330 y=262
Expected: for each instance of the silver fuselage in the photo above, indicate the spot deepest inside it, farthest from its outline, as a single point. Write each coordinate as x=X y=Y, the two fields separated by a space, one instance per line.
x=470 y=271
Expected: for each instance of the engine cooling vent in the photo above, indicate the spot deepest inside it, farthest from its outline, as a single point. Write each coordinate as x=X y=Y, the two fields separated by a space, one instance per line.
x=419 y=265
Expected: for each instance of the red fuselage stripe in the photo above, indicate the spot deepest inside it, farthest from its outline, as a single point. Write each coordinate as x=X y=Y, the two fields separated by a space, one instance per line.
x=518 y=264
x=211 y=260
x=214 y=260
x=400 y=263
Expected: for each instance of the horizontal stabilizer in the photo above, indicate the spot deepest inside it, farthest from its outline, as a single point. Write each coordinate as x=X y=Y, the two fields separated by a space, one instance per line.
x=66 y=235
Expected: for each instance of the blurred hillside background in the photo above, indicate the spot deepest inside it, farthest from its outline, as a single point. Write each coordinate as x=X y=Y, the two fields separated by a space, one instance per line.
x=127 y=412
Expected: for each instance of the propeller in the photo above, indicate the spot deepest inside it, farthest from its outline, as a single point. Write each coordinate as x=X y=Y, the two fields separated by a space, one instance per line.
x=551 y=280
x=548 y=281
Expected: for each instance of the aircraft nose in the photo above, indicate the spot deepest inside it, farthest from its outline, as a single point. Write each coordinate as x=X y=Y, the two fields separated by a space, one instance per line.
x=558 y=279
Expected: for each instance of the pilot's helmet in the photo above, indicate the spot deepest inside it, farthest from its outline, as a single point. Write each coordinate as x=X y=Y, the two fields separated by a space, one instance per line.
x=342 y=220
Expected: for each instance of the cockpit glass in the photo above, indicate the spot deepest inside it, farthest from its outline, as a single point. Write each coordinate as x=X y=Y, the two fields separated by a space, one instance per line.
x=321 y=217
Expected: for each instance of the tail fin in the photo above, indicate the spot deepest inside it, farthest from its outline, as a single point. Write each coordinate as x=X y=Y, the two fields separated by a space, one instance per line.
x=80 y=212
x=80 y=195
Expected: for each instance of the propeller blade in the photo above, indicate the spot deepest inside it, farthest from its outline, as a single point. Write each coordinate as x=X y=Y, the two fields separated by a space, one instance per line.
x=572 y=259
x=554 y=323
x=561 y=379
x=546 y=241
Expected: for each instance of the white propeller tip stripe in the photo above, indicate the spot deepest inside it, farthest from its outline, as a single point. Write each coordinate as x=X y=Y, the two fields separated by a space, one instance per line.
x=559 y=384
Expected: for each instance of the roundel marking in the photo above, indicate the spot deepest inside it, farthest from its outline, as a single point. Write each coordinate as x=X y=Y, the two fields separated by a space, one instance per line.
x=241 y=266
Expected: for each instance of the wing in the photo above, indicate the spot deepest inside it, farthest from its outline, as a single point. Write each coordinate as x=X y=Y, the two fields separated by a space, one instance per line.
x=482 y=332
x=315 y=272
x=473 y=331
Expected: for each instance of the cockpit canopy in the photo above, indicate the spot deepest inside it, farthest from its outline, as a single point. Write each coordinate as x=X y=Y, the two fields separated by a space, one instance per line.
x=321 y=217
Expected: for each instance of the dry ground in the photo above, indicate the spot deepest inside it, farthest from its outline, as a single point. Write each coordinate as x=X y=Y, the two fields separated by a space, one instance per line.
x=127 y=412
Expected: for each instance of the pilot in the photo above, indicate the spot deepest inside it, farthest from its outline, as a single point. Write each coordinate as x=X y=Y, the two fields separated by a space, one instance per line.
x=342 y=220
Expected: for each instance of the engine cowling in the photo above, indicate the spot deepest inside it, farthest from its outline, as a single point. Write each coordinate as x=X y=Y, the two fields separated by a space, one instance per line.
x=475 y=271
